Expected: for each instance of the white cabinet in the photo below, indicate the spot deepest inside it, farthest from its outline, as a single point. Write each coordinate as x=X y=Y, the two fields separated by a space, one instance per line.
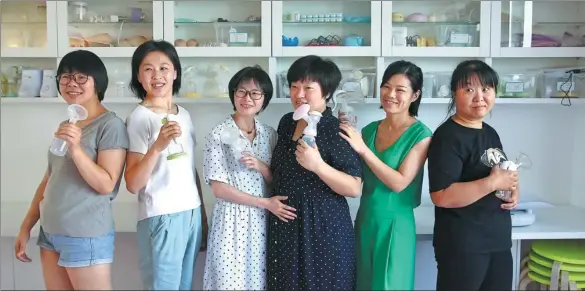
x=435 y=34
x=219 y=28
x=544 y=29
x=326 y=28
x=436 y=28
x=28 y=29
x=254 y=28
x=108 y=28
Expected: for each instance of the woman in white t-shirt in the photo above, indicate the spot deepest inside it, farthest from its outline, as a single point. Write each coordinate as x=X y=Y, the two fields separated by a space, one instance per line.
x=160 y=168
x=239 y=177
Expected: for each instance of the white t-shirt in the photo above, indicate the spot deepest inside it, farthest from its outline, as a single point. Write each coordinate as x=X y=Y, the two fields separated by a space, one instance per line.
x=172 y=186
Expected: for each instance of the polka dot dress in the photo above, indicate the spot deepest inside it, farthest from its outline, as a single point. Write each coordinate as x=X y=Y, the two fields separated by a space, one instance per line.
x=315 y=251
x=236 y=252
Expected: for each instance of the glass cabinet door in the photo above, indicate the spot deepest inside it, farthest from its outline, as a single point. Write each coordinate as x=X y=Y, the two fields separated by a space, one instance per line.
x=109 y=28
x=436 y=28
x=219 y=28
x=548 y=28
x=24 y=31
x=328 y=28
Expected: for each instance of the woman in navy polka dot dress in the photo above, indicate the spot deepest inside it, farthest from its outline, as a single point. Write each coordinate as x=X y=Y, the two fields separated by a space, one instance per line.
x=315 y=250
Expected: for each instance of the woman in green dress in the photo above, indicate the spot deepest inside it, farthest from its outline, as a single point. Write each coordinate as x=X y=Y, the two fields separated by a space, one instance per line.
x=394 y=151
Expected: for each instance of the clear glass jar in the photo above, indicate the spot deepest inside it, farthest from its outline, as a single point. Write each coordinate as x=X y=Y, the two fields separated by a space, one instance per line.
x=78 y=12
x=11 y=88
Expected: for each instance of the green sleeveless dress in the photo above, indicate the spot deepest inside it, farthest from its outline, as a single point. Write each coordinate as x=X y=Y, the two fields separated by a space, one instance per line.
x=385 y=227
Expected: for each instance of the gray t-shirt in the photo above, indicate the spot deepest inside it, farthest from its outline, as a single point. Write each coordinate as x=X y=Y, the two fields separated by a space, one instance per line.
x=70 y=206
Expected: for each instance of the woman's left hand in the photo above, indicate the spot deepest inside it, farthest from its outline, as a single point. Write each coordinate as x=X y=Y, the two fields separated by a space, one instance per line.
x=354 y=138
x=308 y=157
x=71 y=133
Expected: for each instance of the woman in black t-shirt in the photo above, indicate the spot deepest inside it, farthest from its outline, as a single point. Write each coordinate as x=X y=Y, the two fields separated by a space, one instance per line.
x=472 y=233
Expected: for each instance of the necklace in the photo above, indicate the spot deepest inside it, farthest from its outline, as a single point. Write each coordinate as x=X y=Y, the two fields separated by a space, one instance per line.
x=249 y=131
x=246 y=131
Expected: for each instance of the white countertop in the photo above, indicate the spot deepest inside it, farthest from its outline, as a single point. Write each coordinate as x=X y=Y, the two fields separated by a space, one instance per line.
x=560 y=222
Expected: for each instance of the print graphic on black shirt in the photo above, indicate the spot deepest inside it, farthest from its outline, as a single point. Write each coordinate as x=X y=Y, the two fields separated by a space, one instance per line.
x=493 y=156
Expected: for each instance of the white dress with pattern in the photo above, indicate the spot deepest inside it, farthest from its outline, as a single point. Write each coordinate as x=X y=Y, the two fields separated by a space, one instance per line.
x=236 y=247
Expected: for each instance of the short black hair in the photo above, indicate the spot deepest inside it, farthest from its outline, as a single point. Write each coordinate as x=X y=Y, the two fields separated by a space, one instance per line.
x=88 y=63
x=141 y=52
x=414 y=75
x=468 y=70
x=316 y=69
x=257 y=75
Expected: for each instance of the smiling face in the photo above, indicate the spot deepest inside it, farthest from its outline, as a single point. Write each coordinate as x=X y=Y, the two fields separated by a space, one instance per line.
x=249 y=98
x=396 y=94
x=473 y=100
x=77 y=88
x=156 y=75
x=307 y=92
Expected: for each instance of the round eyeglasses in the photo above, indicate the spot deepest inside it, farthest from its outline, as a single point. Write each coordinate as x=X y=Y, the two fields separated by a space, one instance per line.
x=254 y=94
x=65 y=79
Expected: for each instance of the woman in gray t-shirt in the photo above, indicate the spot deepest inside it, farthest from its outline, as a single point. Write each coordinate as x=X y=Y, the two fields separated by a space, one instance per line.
x=73 y=199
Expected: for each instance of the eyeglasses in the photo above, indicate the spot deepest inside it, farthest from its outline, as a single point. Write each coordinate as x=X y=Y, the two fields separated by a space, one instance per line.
x=254 y=94
x=65 y=79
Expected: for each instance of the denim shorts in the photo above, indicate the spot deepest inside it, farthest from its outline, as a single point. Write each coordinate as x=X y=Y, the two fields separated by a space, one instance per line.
x=79 y=251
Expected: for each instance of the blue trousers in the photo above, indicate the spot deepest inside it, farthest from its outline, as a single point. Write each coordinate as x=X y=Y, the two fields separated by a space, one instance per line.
x=168 y=246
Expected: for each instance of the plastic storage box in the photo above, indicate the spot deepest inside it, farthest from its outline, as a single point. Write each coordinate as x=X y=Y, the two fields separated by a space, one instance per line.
x=429 y=85
x=517 y=85
x=442 y=85
x=561 y=83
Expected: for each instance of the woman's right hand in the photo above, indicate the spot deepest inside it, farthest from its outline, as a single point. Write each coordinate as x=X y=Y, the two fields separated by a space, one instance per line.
x=168 y=131
x=503 y=179
x=281 y=210
x=20 y=246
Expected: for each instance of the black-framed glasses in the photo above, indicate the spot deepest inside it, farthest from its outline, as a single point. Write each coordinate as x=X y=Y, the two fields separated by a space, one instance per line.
x=65 y=79
x=254 y=94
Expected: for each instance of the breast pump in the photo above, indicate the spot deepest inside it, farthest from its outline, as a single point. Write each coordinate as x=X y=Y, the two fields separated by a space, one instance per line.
x=312 y=118
x=76 y=113
x=232 y=136
x=346 y=112
x=350 y=91
x=522 y=161
x=175 y=149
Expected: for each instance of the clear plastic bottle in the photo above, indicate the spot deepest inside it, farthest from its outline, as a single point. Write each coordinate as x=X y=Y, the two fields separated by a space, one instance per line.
x=310 y=140
x=76 y=113
x=174 y=149
x=346 y=114
x=59 y=147
x=510 y=166
x=120 y=89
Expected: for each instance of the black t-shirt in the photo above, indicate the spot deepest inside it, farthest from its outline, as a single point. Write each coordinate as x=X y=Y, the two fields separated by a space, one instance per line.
x=461 y=154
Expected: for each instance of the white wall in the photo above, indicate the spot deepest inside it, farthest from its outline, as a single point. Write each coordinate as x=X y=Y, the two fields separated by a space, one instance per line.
x=550 y=133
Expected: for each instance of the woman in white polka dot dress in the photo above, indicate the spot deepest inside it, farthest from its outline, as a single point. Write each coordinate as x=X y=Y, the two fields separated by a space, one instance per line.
x=236 y=252
x=315 y=251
